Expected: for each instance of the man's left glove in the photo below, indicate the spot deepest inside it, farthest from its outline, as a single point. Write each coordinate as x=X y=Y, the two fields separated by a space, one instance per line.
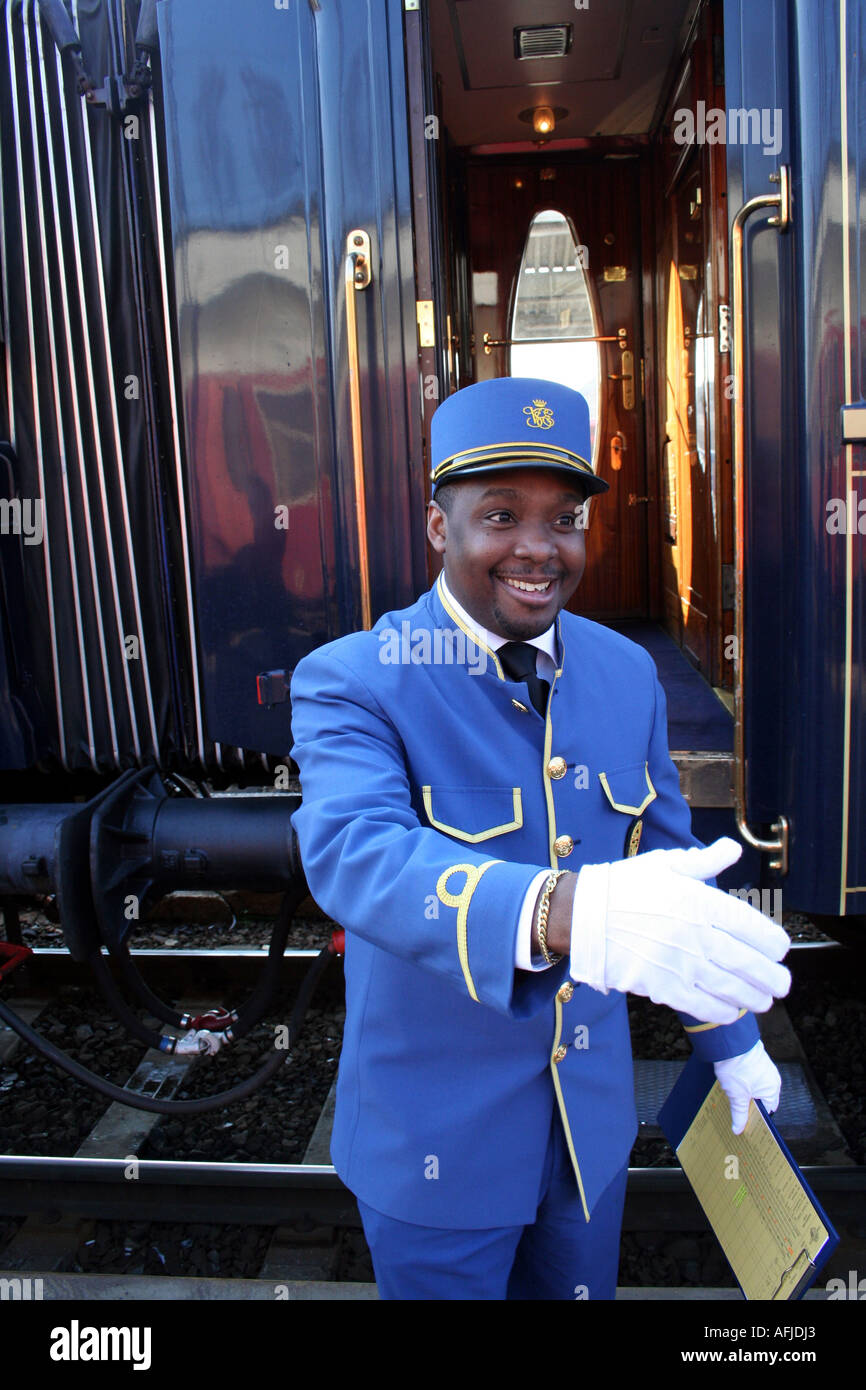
x=751 y=1076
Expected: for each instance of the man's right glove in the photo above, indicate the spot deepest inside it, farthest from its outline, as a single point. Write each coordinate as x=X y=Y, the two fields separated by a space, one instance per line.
x=649 y=925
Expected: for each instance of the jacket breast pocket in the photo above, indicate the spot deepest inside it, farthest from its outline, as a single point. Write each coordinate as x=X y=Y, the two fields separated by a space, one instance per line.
x=473 y=814
x=628 y=789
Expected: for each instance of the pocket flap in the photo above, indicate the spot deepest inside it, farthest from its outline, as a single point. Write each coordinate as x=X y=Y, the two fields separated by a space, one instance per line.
x=473 y=813
x=629 y=789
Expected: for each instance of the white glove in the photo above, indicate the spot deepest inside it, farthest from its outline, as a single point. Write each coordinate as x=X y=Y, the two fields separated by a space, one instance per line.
x=750 y=1076
x=649 y=925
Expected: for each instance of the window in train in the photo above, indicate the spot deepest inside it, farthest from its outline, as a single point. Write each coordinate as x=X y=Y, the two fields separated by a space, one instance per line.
x=553 y=307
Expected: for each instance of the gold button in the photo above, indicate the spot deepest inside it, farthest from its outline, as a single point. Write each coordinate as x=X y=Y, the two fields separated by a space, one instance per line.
x=518 y=705
x=563 y=845
x=556 y=768
x=560 y=1054
x=565 y=992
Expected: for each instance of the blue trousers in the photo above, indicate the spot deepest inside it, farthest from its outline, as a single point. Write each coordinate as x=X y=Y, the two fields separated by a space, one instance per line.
x=560 y=1256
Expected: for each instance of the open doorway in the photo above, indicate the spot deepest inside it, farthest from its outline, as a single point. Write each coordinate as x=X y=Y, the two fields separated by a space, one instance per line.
x=580 y=239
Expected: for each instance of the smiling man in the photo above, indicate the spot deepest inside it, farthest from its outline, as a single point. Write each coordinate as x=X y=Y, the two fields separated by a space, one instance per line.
x=504 y=839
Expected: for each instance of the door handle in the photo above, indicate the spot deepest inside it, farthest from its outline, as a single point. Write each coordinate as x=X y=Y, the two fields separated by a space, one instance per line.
x=358 y=275
x=626 y=376
x=781 y=201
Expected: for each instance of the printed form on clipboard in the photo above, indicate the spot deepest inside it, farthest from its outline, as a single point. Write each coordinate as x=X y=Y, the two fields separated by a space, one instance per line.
x=774 y=1234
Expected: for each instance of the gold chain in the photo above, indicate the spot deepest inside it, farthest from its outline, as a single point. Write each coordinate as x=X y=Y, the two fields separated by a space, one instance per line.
x=541 y=918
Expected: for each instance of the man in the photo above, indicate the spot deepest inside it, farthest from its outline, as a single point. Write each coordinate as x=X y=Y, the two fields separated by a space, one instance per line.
x=478 y=775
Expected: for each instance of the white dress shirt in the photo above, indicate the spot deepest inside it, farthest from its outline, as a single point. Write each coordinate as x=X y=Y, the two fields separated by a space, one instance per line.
x=545 y=665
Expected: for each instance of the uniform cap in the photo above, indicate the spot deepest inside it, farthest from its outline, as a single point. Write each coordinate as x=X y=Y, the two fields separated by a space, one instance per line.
x=513 y=422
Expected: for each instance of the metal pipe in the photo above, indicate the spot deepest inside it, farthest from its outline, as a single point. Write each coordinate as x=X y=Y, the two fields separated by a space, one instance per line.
x=58 y=412
x=491 y=343
x=358 y=274
x=149 y=370
x=73 y=385
x=4 y=307
x=34 y=388
x=94 y=414
x=115 y=429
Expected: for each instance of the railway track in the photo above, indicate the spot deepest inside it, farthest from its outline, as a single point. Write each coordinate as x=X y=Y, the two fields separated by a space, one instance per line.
x=97 y=1215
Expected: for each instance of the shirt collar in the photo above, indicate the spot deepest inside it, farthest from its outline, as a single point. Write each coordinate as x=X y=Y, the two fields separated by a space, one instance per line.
x=545 y=642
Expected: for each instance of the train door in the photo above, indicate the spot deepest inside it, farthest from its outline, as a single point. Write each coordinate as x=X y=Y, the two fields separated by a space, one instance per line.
x=578 y=217
x=695 y=383
x=611 y=238
x=554 y=256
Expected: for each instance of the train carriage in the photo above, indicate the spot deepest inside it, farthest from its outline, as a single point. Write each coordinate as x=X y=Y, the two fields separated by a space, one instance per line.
x=246 y=251
x=243 y=261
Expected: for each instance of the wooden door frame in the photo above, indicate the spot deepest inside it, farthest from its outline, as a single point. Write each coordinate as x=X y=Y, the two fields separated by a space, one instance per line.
x=700 y=75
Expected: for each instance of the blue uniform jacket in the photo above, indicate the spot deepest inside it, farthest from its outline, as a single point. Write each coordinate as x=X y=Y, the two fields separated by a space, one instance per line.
x=433 y=792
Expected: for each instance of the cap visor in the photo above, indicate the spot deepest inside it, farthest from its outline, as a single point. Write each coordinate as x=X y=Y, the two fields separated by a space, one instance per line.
x=590 y=481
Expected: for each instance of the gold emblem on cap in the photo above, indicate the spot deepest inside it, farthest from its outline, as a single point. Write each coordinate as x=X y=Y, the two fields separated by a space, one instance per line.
x=539 y=415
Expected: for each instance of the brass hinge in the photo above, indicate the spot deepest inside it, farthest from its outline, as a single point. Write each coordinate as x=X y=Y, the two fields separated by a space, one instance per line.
x=724 y=328
x=426 y=329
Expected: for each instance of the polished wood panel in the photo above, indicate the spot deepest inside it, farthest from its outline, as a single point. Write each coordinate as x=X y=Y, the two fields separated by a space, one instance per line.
x=692 y=389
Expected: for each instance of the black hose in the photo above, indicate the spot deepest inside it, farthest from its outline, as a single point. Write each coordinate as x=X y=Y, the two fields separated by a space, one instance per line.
x=179 y=1107
x=268 y=982
x=116 y=1002
x=263 y=994
x=138 y=986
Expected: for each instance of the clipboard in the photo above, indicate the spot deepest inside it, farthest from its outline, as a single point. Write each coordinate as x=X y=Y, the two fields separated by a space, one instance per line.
x=774 y=1233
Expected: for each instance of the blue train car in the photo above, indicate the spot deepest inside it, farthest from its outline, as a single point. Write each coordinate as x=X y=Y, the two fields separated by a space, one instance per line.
x=247 y=249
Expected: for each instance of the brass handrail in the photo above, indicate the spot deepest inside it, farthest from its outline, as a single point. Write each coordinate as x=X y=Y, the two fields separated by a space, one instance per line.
x=358 y=274
x=491 y=343
x=782 y=201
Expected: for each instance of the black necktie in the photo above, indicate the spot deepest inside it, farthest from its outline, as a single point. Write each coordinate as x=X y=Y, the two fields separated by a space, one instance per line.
x=518 y=662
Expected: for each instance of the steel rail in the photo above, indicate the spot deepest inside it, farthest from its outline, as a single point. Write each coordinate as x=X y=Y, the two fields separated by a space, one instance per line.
x=656 y=1198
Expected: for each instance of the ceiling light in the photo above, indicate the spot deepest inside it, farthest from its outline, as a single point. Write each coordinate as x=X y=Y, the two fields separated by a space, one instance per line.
x=543 y=119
